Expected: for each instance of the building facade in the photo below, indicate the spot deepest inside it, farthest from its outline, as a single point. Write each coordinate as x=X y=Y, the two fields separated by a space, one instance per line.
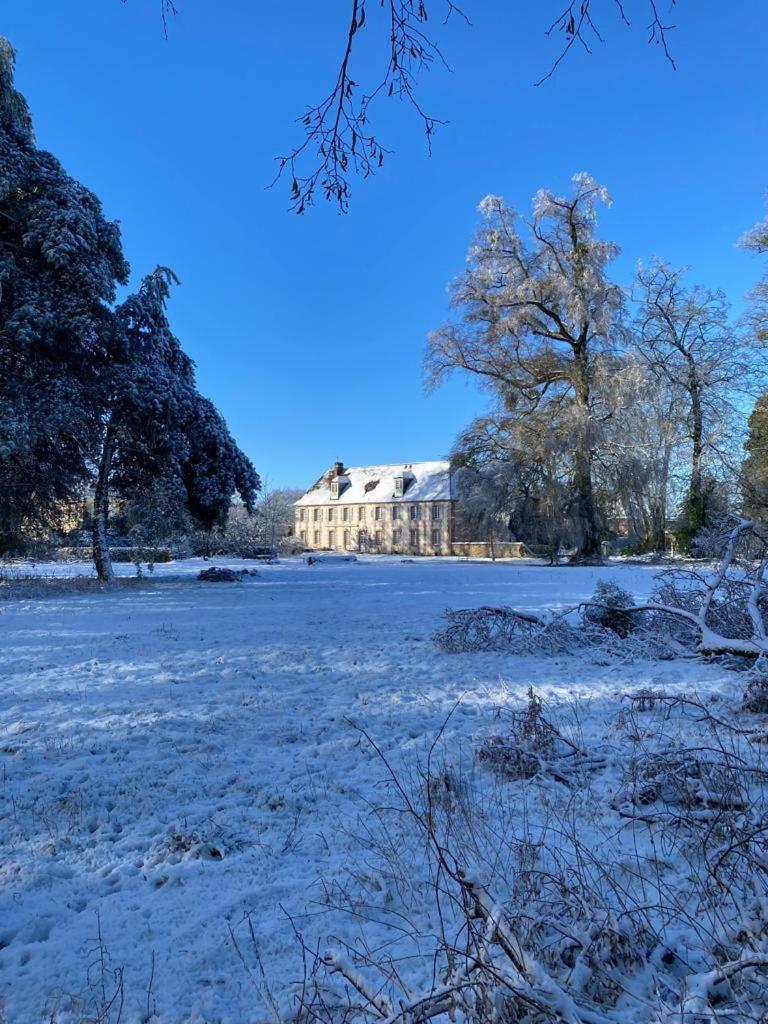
x=397 y=509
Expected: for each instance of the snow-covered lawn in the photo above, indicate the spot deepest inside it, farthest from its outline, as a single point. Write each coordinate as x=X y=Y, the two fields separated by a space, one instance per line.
x=180 y=759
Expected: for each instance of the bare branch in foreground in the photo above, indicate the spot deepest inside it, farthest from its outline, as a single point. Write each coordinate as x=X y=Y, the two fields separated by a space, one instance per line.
x=720 y=611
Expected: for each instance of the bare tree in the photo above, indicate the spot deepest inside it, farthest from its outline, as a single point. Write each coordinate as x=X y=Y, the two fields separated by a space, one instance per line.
x=639 y=461
x=269 y=524
x=579 y=24
x=275 y=513
x=538 y=320
x=339 y=141
x=486 y=501
x=685 y=335
x=526 y=463
x=338 y=138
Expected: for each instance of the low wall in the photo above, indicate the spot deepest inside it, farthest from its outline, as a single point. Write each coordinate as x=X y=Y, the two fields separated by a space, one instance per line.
x=481 y=549
x=119 y=554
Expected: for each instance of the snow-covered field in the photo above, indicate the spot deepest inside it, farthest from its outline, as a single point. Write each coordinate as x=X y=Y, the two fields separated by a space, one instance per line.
x=181 y=765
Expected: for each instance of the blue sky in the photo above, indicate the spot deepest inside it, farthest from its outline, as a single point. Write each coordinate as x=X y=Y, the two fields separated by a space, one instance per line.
x=309 y=332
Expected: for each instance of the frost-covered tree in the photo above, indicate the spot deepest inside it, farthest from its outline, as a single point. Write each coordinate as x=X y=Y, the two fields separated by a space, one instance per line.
x=487 y=496
x=215 y=468
x=757 y=237
x=275 y=513
x=755 y=319
x=515 y=482
x=640 y=463
x=686 y=337
x=538 y=322
x=270 y=523
x=157 y=430
x=60 y=260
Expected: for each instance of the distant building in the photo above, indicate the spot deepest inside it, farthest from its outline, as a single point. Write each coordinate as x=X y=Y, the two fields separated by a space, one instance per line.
x=408 y=508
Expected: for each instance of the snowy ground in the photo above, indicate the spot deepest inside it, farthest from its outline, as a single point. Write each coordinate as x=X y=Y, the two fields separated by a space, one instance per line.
x=181 y=759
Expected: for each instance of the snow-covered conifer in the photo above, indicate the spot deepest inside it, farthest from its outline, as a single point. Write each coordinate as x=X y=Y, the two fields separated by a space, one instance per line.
x=60 y=260
x=156 y=427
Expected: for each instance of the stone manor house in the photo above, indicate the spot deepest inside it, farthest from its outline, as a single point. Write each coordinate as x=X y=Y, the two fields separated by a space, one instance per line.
x=399 y=509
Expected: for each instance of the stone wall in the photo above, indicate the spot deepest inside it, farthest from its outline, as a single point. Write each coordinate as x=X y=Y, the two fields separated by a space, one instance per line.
x=482 y=549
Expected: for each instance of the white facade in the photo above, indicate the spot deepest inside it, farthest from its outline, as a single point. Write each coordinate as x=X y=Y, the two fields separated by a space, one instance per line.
x=405 y=508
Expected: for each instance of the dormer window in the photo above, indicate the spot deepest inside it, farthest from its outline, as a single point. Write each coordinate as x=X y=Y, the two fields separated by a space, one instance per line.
x=337 y=485
x=403 y=481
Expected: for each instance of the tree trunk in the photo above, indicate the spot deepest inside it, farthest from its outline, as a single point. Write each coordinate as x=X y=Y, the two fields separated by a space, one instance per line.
x=696 y=490
x=660 y=505
x=586 y=512
x=101 y=556
x=658 y=538
x=694 y=512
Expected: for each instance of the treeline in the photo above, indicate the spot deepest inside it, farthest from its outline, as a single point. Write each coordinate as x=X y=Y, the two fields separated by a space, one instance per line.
x=611 y=406
x=94 y=394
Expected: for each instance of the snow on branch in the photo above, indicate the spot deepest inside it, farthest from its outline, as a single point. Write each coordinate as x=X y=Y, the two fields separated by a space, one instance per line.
x=691 y=611
x=547 y=902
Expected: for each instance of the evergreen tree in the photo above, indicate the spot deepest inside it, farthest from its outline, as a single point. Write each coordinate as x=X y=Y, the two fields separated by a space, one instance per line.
x=215 y=469
x=755 y=467
x=157 y=431
x=86 y=389
x=60 y=260
x=755 y=319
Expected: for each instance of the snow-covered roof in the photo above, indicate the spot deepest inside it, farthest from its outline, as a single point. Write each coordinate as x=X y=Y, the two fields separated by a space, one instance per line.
x=372 y=485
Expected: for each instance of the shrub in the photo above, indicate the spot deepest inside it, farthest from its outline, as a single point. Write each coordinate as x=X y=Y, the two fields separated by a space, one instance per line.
x=607 y=609
x=154 y=555
x=756 y=691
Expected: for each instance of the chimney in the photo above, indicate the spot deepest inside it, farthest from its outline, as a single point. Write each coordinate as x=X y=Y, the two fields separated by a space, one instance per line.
x=338 y=469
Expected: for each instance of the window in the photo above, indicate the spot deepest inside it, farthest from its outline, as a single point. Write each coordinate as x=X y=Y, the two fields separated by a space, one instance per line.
x=331 y=539
x=395 y=511
x=345 y=515
x=317 y=538
x=377 y=538
x=415 y=512
x=334 y=488
x=361 y=515
x=301 y=515
x=330 y=515
x=435 y=538
x=346 y=539
x=414 y=538
x=437 y=513
x=303 y=536
x=398 y=486
x=378 y=515
x=397 y=537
